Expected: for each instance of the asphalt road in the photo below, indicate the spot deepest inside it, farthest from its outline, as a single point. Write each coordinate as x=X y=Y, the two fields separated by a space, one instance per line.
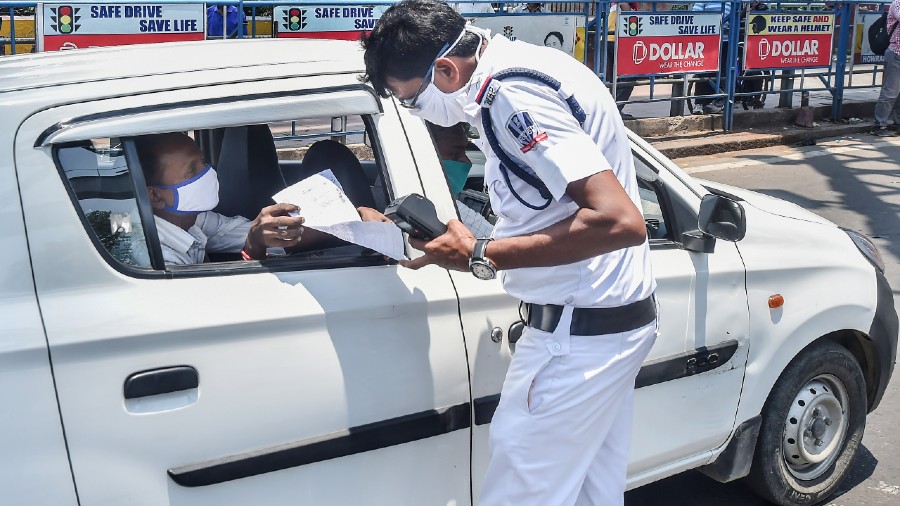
x=855 y=183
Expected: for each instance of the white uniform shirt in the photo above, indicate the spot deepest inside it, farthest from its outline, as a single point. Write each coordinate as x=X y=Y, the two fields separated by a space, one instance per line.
x=559 y=151
x=212 y=232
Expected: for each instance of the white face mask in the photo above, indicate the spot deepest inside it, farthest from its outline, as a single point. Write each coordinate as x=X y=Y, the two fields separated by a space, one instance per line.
x=446 y=109
x=195 y=195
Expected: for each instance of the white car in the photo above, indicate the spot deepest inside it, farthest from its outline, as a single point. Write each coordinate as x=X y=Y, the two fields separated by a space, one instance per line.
x=338 y=377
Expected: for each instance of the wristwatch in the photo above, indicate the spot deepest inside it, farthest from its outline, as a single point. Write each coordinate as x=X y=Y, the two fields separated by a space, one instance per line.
x=481 y=267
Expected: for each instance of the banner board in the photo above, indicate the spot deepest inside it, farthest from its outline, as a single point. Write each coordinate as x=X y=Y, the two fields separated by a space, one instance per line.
x=667 y=43
x=788 y=41
x=547 y=30
x=78 y=25
x=343 y=22
x=862 y=52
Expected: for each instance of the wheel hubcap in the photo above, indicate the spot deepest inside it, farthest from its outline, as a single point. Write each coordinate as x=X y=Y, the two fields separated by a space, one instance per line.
x=815 y=427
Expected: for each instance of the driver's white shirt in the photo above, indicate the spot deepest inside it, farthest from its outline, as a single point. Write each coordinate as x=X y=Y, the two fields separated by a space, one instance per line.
x=212 y=231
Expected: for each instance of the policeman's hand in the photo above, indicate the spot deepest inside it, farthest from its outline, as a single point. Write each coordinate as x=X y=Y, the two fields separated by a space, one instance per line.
x=451 y=250
x=274 y=228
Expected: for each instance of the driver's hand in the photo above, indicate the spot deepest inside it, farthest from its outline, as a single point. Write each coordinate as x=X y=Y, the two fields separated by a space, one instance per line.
x=369 y=214
x=274 y=228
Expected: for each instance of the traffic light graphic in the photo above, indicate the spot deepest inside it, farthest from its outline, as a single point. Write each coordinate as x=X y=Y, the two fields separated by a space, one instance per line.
x=295 y=19
x=633 y=25
x=65 y=19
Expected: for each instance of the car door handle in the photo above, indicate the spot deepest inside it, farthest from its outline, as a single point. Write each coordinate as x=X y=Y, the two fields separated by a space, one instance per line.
x=161 y=381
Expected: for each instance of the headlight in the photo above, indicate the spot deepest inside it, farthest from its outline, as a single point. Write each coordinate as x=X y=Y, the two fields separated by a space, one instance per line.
x=867 y=248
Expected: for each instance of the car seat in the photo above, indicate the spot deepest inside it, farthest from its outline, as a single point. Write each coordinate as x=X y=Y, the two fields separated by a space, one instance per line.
x=249 y=174
x=328 y=154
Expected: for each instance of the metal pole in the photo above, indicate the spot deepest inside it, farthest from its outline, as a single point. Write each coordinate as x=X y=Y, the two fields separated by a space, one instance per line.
x=731 y=64
x=240 y=7
x=600 y=44
x=676 y=107
x=837 y=101
x=786 y=98
x=12 y=31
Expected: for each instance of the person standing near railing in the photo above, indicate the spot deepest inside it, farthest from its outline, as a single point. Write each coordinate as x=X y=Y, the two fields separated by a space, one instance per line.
x=472 y=8
x=888 y=104
x=705 y=87
x=222 y=21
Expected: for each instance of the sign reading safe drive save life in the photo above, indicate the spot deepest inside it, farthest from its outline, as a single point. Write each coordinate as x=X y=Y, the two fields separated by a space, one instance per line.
x=786 y=40
x=667 y=43
x=79 y=25
x=343 y=22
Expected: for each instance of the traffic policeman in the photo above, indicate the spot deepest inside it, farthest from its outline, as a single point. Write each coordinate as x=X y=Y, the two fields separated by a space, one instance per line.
x=570 y=242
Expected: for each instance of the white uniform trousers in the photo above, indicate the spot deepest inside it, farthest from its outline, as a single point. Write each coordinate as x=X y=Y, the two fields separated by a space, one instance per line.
x=561 y=433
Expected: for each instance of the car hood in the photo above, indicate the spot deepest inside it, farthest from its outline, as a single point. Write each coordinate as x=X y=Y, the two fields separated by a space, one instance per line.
x=766 y=203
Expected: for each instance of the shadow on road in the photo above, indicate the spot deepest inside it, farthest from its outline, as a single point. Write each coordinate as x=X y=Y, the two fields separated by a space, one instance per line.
x=695 y=489
x=862 y=467
x=863 y=182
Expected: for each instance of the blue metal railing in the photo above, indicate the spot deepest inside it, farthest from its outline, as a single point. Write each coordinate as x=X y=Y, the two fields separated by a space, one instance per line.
x=599 y=53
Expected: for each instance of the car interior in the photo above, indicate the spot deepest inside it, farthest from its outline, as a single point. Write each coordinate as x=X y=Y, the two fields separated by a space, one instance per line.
x=252 y=164
x=256 y=161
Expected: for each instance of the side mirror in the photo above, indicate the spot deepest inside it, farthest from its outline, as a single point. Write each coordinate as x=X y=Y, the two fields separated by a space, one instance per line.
x=722 y=217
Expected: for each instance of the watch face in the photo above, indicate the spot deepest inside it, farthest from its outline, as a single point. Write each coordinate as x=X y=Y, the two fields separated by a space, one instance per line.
x=483 y=271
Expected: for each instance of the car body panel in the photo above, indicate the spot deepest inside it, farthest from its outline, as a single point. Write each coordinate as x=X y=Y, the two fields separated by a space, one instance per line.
x=282 y=357
x=32 y=444
x=290 y=359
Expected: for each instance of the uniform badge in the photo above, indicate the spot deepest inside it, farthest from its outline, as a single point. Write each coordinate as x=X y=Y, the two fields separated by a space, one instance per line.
x=525 y=130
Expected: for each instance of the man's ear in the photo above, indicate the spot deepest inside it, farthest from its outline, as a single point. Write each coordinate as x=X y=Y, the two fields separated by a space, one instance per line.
x=156 y=198
x=447 y=71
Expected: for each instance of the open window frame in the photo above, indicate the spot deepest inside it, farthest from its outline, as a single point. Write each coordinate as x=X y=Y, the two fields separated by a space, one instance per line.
x=226 y=111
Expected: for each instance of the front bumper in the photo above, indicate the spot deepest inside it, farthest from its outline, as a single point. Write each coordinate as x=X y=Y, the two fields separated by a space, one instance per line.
x=883 y=336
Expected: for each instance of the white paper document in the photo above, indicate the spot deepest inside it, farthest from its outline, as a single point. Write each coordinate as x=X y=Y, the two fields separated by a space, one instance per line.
x=325 y=207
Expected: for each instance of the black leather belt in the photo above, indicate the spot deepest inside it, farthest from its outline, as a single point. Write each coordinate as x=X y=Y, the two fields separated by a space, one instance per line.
x=593 y=321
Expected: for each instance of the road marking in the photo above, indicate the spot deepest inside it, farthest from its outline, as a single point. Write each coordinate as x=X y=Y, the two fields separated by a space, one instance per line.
x=886 y=488
x=801 y=155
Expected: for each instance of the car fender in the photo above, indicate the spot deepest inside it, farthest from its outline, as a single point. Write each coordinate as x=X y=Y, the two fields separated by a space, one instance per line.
x=827 y=286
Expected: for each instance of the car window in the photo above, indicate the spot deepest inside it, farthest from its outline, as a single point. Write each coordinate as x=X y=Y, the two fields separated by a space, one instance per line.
x=252 y=163
x=102 y=185
x=320 y=142
x=652 y=203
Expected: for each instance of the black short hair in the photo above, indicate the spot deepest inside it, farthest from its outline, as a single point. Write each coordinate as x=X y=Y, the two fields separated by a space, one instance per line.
x=149 y=147
x=407 y=38
x=554 y=34
x=459 y=129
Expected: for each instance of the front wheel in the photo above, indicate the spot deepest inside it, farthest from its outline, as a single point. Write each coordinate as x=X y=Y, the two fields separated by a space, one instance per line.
x=812 y=425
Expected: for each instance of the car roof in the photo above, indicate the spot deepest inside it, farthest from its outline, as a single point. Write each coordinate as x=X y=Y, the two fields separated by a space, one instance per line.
x=269 y=57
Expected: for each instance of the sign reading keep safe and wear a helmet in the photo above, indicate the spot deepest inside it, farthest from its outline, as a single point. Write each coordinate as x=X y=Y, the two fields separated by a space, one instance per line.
x=787 y=40
x=667 y=43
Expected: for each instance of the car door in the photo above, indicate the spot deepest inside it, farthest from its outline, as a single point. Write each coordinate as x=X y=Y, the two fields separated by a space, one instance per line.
x=689 y=387
x=321 y=380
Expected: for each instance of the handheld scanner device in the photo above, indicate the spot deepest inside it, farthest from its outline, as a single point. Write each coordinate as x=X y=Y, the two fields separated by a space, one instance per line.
x=415 y=215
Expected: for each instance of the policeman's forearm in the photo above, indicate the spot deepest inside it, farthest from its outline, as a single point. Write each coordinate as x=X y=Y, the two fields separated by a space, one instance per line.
x=584 y=235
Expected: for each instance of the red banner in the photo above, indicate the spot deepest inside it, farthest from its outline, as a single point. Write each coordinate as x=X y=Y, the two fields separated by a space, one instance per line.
x=797 y=41
x=54 y=43
x=655 y=43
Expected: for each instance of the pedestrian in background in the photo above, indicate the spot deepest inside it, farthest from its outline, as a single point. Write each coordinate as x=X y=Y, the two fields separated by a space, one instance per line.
x=221 y=25
x=472 y=8
x=570 y=241
x=888 y=104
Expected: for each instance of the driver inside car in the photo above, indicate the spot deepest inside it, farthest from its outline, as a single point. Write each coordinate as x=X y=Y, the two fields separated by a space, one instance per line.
x=183 y=191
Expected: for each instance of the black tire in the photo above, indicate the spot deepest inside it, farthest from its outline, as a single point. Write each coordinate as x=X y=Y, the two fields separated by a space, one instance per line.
x=821 y=398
